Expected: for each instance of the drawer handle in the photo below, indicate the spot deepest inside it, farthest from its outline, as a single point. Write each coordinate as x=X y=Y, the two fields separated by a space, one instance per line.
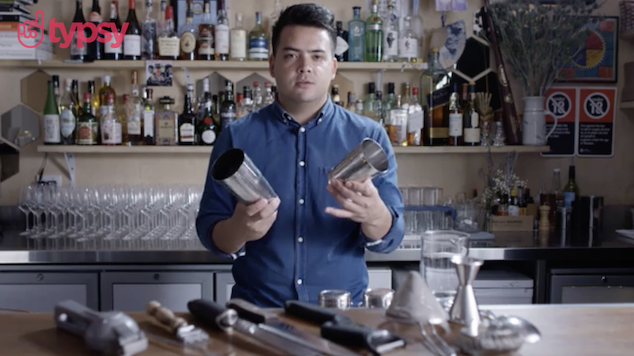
x=604 y=279
x=157 y=276
x=39 y=277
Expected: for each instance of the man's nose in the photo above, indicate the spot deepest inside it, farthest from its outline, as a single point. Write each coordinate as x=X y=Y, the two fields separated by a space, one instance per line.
x=305 y=66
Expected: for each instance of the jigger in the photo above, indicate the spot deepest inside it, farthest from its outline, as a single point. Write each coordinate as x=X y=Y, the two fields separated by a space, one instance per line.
x=465 y=307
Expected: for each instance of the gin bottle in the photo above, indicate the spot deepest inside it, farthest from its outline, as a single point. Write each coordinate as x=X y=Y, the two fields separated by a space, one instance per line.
x=258 y=46
x=374 y=36
x=408 y=43
x=391 y=43
x=356 y=36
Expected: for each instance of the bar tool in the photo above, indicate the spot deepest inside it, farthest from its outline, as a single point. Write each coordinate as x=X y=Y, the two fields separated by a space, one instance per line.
x=378 y=298
x=497 y=335
x=333 y=298
x=365 y=161
x=464 y=309
x=186 y=333
x=111 y=333
x=235 y=171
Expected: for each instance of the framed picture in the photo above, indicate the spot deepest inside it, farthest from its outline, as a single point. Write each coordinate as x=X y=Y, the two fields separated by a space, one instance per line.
x=597 y=59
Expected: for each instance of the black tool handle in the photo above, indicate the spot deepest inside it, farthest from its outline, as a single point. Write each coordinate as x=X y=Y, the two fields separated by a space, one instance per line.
x=313 y=313
x=212 y=314
x=351 y=335
x=249 y=311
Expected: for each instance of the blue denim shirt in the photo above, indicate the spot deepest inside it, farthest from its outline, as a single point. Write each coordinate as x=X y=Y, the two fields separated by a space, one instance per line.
x=306 y=250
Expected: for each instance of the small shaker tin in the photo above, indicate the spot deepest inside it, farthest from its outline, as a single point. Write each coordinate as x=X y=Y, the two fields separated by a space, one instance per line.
x=333 y=298
x=378 y=298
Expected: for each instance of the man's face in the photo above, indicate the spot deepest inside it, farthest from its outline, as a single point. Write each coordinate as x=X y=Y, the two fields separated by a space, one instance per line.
x=303 y=65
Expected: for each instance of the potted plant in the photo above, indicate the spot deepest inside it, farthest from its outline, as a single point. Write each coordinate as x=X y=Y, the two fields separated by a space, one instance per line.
x=537 y=38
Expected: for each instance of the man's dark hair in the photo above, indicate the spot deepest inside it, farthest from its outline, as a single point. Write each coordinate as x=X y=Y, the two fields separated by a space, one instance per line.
x=311 y=15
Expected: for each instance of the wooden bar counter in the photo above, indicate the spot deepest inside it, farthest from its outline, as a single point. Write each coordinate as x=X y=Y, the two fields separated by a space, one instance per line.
x=567 y=330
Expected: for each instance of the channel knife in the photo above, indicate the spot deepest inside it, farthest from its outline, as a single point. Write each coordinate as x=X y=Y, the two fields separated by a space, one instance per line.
x=218 y=317
x=271 y=322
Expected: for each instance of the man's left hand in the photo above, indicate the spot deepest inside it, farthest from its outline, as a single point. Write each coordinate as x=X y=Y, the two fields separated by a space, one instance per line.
x=360 y=202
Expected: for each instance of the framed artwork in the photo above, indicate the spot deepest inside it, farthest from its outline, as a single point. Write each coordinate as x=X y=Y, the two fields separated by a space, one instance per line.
x=597 y=59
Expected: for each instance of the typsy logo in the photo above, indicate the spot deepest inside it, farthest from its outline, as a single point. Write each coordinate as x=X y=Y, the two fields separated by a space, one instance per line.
x=33 y=28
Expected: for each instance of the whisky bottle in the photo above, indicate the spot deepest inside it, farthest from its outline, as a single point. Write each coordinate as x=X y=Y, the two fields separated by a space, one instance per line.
x=397 y=124
x=187 y=124
x=206 y=46
x=188 y=33
x=433 y=79
x=110 y=124
x=165 y=123
x=455 y=118
x=87 y=125
x=51 y=118
x=471 y=120
x=168 y=42
x=258 y=45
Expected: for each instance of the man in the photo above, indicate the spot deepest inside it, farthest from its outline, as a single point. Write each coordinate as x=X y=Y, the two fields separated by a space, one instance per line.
x=314 y=235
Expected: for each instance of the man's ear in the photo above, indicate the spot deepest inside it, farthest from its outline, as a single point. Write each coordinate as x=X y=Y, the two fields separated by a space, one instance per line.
x=272 y=65
x=334 y=68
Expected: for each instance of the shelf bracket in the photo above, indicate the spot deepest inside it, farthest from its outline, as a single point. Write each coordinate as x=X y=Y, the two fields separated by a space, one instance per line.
x=70 y=166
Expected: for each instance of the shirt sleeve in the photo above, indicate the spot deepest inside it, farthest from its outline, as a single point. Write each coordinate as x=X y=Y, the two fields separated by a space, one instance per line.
x=216 y=203
x=387 y=185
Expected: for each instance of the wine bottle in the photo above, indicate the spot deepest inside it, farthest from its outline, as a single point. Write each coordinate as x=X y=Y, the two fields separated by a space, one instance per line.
x=51 y=118
x=571 y=190
x=111 y=52
x=95 y=48
x=76 y=53
x=132 y=38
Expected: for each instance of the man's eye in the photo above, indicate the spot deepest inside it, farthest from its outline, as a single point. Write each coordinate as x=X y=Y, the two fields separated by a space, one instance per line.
x=318 y=57
x=289 y=55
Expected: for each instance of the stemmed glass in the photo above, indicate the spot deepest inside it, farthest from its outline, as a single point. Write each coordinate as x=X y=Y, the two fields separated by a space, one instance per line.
x=24 y=204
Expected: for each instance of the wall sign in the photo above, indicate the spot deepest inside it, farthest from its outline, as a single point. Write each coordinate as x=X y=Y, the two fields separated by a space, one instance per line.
x=562 y=102
x=596 y=122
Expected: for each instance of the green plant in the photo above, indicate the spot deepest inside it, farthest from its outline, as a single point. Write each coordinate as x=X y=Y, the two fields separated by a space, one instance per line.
x=538 y=39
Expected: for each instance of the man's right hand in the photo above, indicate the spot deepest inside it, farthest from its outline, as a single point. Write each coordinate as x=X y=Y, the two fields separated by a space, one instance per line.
x=256 y=218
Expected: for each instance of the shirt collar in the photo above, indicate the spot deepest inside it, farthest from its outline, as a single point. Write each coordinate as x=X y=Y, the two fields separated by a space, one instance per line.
x=285 y=118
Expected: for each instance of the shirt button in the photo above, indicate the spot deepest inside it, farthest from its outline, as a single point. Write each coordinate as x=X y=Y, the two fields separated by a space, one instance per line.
x=300 y=239
x=301 y=163
x=302 y=129
x=299 y=281
x=301 y=201
x=319 y=121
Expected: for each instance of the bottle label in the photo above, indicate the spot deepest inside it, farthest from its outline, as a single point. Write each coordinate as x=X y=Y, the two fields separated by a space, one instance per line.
x=132 y=45
x=415 y=122
x=391 y=44
x=169 y=46
x=67 y=121
x=87 y=133
x=51 y=129
x=149 y=36
x=206 y=40
x=108 y=47
x=187 y=133
x=188 y=42
x=475 y=119
x=341 y=46
x=76 y=51
x=110 y=132
x=166 y=128
x=222 y=39
x=148 y=123
x=94 y=17
x=373 y=27
x=134 y=119
x=569 y=197
x=238 y=44
x=455 y=125
x=258 y=48
x=408 y=47
x=471 y=135
x=208 y=137
x=226 y=117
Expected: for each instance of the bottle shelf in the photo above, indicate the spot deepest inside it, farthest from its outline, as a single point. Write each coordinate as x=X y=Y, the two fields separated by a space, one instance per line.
x=207 y=149
x=198 y=65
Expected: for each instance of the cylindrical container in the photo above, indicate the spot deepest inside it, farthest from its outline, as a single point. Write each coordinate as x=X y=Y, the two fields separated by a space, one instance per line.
x=235 y=171
x=365 y=161
x=333 y=298
x=380 y=298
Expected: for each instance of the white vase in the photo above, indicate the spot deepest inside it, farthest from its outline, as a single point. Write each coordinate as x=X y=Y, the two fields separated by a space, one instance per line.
x=534 y=122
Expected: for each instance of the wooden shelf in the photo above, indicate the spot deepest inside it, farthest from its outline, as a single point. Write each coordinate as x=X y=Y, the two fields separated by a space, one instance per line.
x=627 y=105
x=193 y=65
x=207 y=150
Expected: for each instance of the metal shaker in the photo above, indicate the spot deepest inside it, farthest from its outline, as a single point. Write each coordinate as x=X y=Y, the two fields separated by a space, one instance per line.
x=380 y=298
x=334 y=298
x=365 y=161
x=236 y=172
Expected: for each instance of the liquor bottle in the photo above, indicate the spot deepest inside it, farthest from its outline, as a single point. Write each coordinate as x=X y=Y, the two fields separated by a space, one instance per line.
x=68 y=115
x=149 y=32
x=132 y=38
x=368 y=105
x=392 y=42
x=165 y=123
x=228 y=107
x=110 y=124
x=273 y=17
x=397 y=124
x=379 y=114
x=110 y=52
x=188 y=33
x=75 y=90
x=258 y=45
x=374 y=35
x=187 y=124
x=334 y=95
x=134 y=109
x=222 y=32
x=390 y=98
x=514 y=204
x=556 y=188
x=269 y=98
x=356 y=36
x=415 y=120
x=94 y=98
x=246 y=105
x=87 y=125
x=341 y=47
x=351 y=105
x=95 y=48
x=76 y=53
x=408 y=47
x=169 y=43
x=238 y=41
x=208 y=129
x=105 y=89
x=206 y=46
x=56 y=91
x=257 y=96
x=455 y=118
x=432 y=81
x=571 y=190
x=51 y=118
x=471 y=120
